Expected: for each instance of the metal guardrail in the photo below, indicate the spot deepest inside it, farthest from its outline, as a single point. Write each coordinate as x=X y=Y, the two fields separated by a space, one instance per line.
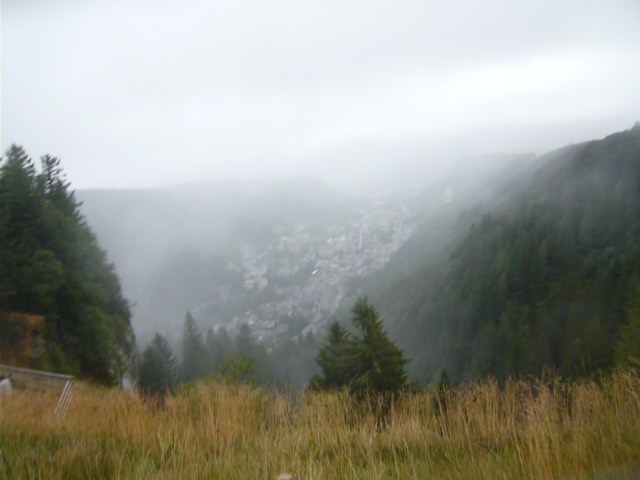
x=26 y=378
x=8 y=369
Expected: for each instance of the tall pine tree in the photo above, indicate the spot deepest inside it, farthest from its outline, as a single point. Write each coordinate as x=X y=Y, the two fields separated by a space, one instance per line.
x=381 y=364
x=336 y=358
x=52 y=266
x=158 y=372
x=369 y=362
x=194 y=354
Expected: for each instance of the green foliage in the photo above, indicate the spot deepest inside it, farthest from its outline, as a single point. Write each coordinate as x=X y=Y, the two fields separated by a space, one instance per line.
x=247 y=347
x=157 y=372
x=366 y=363
x=237 y=370
x=541 y=282
x=240 y=358
x=52 y=265
x=628 y=347
x=335 y=358
x=194 y=355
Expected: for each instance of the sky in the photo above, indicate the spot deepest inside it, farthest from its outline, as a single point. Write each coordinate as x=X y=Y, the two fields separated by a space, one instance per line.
x=142 y=94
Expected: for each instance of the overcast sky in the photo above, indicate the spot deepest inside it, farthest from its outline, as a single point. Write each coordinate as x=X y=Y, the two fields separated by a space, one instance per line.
x=145 y=94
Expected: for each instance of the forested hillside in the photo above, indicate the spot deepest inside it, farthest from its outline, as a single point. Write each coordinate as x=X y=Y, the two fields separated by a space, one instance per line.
x=444 y=211
x=61 y=306
x=543 y=272
x=551 y=277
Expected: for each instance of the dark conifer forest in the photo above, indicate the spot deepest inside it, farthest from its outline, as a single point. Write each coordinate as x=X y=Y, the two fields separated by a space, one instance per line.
x=61 y=305
x=549 y=277
x=543 y=276
x=308 y=239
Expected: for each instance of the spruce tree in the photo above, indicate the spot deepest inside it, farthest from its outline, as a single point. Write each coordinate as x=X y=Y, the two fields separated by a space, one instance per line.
x=214 y=351
x=157 y=373
x=219 y=345
x=335 y=359
x=51 y=265
x=366 y=363
x=194 y=354
x=380 y=364
x=246 y=347
x=21 y=233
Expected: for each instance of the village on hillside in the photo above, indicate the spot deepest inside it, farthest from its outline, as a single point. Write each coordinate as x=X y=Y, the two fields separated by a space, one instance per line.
x=306 y=274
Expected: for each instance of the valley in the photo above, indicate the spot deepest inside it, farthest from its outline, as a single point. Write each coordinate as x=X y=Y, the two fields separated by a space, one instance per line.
x=283 y=281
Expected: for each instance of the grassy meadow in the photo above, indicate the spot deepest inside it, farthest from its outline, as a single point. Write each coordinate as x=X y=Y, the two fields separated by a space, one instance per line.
x=215 y=430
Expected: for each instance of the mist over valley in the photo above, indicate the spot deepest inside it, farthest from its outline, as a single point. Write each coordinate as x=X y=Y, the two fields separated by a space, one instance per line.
x=304 y=239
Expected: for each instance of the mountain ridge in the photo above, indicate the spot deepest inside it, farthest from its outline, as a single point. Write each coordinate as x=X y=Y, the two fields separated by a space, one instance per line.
x=508 y=299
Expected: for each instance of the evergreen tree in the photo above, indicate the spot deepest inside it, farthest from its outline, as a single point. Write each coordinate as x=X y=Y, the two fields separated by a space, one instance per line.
x=237 y=370
x=543 y=281
x=628 y=347
x=20 y=227
x=157 y=373
x=246 y=347
x=219 y=346
x=335 y=359
x=194 y=355
x=52 y=266
x=367 y=363
x=380 y=365
x=214 y=351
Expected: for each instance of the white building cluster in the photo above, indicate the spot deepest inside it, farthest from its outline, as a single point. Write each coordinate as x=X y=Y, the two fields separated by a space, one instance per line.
x=306 y=273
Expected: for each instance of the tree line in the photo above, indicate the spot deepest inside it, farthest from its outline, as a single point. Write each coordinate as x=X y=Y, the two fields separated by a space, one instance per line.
x=363 y=361
x=550 y=278
x=58 y=286
x=52 y=268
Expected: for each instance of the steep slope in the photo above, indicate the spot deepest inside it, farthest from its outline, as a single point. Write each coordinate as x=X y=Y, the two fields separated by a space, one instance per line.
x=61 y=306
x=444 y=210
x=545 y=279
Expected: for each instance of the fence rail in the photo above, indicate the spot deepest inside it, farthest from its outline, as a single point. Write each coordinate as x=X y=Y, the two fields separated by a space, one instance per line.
x=29 y=379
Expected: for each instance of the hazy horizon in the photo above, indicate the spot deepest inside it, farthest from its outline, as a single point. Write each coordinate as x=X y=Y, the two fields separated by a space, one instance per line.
x=352 y=94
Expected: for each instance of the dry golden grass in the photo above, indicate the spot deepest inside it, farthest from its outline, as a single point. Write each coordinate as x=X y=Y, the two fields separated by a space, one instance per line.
x=215 y=430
